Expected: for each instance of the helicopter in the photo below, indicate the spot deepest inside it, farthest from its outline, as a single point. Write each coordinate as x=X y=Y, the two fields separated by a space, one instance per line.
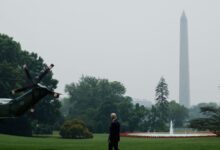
x=33 y=93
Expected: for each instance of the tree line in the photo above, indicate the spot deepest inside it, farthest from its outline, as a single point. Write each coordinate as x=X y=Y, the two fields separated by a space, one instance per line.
x=90 y=99
x=93 y=99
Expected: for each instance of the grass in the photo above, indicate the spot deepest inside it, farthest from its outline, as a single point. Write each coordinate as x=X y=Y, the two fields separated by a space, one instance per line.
x=99 y=142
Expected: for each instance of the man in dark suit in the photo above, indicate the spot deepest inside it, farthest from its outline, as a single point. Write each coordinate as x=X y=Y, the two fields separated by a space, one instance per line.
x=114 y=133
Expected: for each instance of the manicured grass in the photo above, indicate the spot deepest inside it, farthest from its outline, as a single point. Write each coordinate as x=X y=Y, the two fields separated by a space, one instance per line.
x=99 y=142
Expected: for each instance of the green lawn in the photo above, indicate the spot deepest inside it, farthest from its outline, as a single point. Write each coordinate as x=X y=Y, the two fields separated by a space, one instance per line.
x=99 y=142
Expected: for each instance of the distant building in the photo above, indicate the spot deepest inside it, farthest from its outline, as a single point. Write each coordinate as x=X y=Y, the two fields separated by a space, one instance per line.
x=144 y=102
x=184 y=81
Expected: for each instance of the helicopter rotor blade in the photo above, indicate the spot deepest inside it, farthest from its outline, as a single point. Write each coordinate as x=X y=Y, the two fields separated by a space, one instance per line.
x=35 y=81
x=21 y=89
x=43 y=73
x=27 y=73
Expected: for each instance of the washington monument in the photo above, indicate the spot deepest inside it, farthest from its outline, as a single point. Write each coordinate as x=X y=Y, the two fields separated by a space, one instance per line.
x=184 y=86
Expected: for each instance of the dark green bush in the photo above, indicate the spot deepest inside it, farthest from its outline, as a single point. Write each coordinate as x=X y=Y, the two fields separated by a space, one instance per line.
x=75 y=129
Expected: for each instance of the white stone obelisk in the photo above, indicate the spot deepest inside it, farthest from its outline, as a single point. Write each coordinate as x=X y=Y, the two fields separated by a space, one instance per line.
x=184 y=81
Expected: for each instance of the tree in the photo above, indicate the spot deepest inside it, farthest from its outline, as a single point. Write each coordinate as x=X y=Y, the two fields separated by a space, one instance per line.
x=154 y=122
x=137 y=119
x=126 y=109
x=195 y=111
x=162 y=94
x=8 y=75
x=103 y=114
x=177 y=113
x=211 y=121
x=92 y=100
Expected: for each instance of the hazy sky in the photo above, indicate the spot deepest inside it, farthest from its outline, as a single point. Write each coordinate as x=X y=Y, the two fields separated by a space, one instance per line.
x=134 y=42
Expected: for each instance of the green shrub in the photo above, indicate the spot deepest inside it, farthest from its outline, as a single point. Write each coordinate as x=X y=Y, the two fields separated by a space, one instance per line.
x=75 y=129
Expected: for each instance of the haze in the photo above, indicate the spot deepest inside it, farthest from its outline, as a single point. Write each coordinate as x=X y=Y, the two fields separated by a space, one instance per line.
x=134 y=42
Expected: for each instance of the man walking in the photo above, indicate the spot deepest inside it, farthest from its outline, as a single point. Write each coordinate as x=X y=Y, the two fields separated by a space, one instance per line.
x=114 y=132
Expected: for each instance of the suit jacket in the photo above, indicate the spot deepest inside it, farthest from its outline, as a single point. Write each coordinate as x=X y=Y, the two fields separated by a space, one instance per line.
x=114 y=131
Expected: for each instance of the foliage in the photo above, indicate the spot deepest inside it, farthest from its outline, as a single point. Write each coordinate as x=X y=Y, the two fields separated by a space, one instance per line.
x=137 y=119
x=75 y=129
x=178 y=114
x=211 y=121
x=155 y=123
x=162 y=94
x=126 y=110
x=92 y=100
x=194 y=111
x=159 y=113
x=163 y=112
